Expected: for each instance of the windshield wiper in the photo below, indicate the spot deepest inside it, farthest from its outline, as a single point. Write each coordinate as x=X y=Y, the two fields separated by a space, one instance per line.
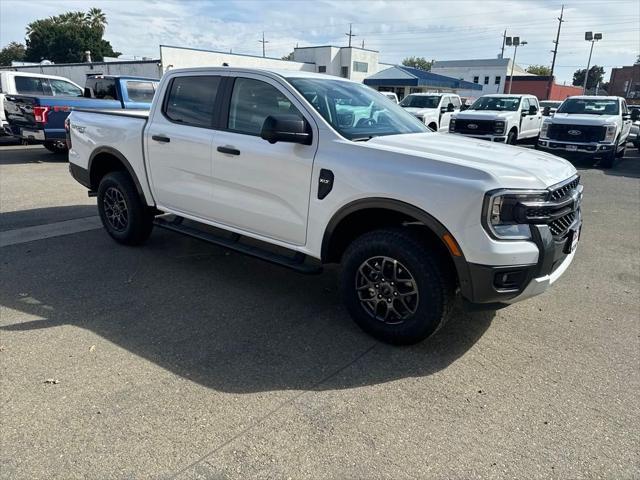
x=362 y=139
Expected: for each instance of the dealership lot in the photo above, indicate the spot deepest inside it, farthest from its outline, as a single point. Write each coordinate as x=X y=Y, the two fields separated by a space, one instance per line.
x=182 y=360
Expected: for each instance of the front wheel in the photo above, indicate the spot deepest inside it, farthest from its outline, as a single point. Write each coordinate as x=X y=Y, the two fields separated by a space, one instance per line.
x=512 y=137
x=394 y=287
x=609 y=160
x=124 y=215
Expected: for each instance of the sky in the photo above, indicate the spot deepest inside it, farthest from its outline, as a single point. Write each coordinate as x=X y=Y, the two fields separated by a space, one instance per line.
x=434 y=29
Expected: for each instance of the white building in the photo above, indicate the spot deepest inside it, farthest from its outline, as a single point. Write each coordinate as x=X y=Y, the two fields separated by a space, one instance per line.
x=490 y=73
x=348 y=62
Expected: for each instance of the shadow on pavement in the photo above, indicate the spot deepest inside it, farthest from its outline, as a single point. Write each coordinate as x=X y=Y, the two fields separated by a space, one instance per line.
x=629 y=166
x=228 y=322
x=44 y=216
x=16 y=155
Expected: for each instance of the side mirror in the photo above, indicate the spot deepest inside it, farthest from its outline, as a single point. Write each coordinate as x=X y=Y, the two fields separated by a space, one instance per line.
x=533 y=110
x=524 y=113
x=546 y=111
x=635 y=114
x=463 y=107
x=443 y=109
x=286 y=128
x=450 y=107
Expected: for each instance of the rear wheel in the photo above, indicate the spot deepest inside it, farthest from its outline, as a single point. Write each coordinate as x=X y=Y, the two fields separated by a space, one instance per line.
x=124 y=215
x=394 y=287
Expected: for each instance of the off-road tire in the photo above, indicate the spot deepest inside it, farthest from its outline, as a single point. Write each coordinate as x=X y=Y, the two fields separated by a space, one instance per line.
x=433 y=277
x=512 y=138
x=54 y=148
x=139 y=218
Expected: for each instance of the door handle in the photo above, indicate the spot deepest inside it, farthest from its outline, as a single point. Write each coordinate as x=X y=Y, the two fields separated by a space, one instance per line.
x=229 y=150
x=160 y=138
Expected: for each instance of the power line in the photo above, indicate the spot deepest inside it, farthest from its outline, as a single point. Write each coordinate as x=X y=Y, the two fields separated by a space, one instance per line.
x=350 y=35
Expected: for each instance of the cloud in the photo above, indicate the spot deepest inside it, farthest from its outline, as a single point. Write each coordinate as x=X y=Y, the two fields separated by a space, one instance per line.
x=441 y=30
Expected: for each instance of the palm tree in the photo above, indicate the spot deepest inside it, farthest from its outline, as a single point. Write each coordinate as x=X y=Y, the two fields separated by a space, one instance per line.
x=96 y=19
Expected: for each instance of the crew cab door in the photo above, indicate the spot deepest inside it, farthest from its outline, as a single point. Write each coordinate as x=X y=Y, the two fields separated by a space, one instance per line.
x=178 y=142
x=260 y=187
x=445 y=114
x=626 y=121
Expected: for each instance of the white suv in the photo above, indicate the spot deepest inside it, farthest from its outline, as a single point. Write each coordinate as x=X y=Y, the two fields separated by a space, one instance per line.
x=433 y=109
x=500 y=118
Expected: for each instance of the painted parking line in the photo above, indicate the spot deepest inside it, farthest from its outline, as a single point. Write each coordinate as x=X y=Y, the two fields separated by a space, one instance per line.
x=50 y=230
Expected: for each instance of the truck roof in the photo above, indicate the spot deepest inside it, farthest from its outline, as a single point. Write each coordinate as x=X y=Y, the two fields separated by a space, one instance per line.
x=596 y=97
x=126 y=77
x=273 y=71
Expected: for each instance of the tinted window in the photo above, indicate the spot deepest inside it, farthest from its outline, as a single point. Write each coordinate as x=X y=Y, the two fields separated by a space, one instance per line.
x=31 y=86
x=191 y=100
x=140 y=91
x=252 y=101
x=421 y=101
x=62 y=87
x=105 y=89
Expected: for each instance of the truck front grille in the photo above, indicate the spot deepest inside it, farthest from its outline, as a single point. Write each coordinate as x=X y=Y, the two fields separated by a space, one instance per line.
x=474 y=127
x=576 y=133
x=563 y=192
x=560 y=226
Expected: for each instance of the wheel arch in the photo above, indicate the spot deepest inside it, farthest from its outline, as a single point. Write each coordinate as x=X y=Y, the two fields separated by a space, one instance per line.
x=360 y=216
x=104 y=160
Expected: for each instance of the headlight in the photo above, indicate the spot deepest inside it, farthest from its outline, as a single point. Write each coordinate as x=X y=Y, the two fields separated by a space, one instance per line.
x=452 y=125
x=610 y=136
x=501 y=215
x=499 y=126
x=544 y=129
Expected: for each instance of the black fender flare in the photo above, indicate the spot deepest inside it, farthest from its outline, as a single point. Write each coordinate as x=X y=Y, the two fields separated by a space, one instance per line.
x=423 y=217
x=115 y=153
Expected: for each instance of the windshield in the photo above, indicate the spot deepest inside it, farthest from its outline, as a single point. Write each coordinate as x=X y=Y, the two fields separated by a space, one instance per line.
x=589 y=106
x=420 y=101
x=356 y=111
x=509 y=104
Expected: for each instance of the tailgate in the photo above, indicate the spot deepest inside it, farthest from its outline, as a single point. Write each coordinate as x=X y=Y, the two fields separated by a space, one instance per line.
x=19 y=110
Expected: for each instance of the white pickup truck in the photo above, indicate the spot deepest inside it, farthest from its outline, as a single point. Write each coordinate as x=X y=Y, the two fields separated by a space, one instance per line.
x=589 y=127
x=500 y=118
x=265 y=163
x=433 y=109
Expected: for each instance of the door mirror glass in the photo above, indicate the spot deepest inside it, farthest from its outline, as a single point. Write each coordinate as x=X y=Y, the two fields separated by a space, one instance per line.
x=533 y=110
x=286 y=128
x=450 y=107
x=547 y=111
x=635 y=114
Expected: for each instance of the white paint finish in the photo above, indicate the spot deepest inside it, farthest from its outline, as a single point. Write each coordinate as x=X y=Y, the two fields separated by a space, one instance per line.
x=444 y=175
x=40 y=232
x=467 y=70
x=176 y=57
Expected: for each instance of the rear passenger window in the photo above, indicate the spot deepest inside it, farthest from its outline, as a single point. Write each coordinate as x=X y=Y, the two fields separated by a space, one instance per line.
x=140 y=91
x=252 y=101
x=191 y=100
x=105 y=89
x=31 y=86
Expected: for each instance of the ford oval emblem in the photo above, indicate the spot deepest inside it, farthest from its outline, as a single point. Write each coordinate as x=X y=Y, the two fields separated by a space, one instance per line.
x=574 y=132
x=472 y=126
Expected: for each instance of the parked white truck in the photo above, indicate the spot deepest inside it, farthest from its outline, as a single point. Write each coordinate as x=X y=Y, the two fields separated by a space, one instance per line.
x=433 y=109
x=589 y=127
x=500 y=118
x=265 y=163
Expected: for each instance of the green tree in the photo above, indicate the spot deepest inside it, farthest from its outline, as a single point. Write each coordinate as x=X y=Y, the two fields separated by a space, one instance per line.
x=418 y=62
x=288 y=57
x=541 y=70
x=14 y=51
x=65 y=38
x=596 y=74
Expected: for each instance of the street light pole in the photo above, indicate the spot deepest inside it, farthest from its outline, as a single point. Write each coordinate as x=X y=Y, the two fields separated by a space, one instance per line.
x=516 y=43
x=593 y=38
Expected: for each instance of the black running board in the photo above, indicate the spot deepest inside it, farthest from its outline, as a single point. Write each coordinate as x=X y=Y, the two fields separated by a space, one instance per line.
x=295 y=262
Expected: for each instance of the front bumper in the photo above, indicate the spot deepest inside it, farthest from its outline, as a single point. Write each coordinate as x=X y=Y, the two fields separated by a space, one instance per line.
x=486 y=284
x=558 y=147
x=490 y=138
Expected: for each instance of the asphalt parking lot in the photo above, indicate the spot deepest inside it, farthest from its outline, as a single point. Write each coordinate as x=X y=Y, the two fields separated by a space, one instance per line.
x=182 y=360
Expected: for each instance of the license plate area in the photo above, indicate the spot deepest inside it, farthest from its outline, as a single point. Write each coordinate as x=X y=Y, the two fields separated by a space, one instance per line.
x=572 y=240
x=572 y=148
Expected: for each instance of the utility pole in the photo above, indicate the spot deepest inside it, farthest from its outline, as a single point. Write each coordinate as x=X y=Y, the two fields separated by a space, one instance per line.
x=350 y=34
x=504 y=39
x=555 y=52
x=363 y=44
x=263 y=42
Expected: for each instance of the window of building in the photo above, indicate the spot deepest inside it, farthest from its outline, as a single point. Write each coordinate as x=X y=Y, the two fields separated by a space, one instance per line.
x=191 y=100
x=344 y=72
x=140 y=91
x=476 y=79
x=360 y=67
x=322 y=69
x=486 y=80
x=252 y=101
x=497 y=80
x=62 y=87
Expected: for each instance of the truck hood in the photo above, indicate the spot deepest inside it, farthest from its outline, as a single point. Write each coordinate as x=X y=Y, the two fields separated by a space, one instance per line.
x=421 y=111
x=483 y=115
x=575 y=119
x=511 y=167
